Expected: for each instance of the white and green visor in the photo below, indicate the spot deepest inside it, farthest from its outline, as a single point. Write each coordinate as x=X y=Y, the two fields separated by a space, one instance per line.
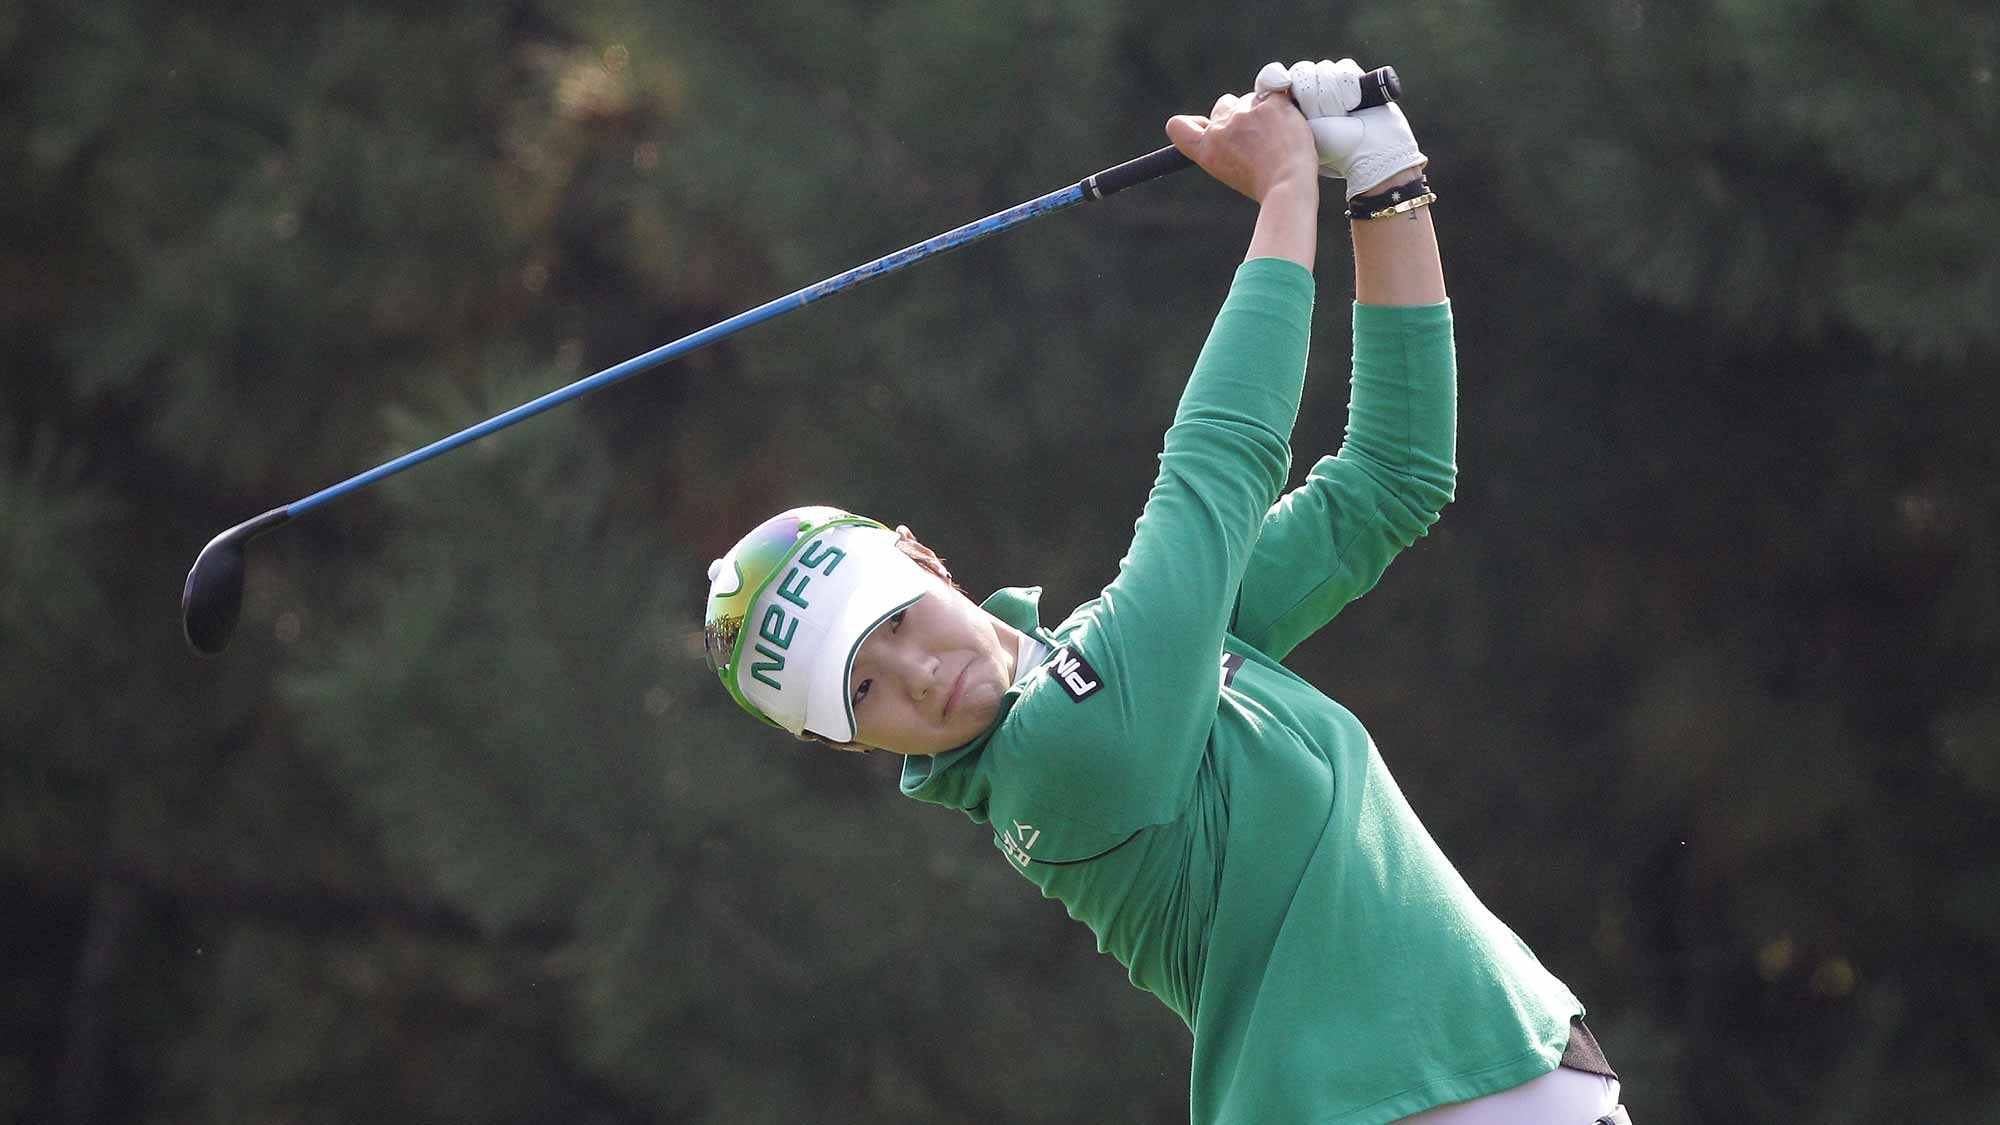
x=789 y=606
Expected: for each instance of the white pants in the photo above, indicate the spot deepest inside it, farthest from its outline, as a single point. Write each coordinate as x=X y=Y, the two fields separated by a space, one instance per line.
x=1560 y=1097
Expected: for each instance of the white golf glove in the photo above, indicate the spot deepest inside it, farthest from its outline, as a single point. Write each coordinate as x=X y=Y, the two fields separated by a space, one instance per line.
x=1362 y=146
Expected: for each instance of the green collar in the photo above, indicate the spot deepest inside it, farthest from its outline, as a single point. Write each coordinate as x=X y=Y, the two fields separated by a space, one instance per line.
x=1018 y=606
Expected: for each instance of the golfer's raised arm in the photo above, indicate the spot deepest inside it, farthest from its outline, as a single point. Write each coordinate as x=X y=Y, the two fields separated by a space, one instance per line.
x=1157 y=631
x=1328 y=541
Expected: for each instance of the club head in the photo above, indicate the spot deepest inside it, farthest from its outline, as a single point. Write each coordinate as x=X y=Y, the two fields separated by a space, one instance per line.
x=213 y=597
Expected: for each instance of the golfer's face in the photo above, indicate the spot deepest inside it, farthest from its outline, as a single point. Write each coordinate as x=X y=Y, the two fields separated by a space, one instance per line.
x=930 y=679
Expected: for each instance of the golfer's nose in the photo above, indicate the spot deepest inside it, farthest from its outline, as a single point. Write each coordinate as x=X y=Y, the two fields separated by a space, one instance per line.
x=916 y=670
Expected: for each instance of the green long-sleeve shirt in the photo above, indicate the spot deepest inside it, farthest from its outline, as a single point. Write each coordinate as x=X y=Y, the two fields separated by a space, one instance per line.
x=1230 y=833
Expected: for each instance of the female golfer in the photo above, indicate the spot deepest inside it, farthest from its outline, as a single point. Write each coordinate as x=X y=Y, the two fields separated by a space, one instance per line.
x=1229 y=832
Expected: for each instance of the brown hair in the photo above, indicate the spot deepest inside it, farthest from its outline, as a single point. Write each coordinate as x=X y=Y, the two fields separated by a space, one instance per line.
x=907 y=542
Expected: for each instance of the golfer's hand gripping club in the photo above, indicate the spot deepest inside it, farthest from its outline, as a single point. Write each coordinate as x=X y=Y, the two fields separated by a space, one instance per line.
x=1372 y=88
x=212 y=599
x=1358 y=142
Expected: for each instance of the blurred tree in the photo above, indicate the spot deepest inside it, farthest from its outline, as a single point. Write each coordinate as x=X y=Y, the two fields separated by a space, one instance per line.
x=1803 y=168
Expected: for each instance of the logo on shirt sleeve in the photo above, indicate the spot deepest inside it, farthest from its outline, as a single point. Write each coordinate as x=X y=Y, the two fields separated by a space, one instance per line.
x=1068 y=668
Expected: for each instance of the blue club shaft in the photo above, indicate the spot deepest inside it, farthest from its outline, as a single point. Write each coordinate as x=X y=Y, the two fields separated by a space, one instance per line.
x=910 y=255
x=213 y=594
x=1378 y=87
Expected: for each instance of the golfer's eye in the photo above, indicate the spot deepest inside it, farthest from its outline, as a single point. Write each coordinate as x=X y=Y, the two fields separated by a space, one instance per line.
x=861 y=689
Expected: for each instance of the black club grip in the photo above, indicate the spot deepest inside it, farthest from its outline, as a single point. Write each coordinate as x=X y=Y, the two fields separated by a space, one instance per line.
x=1378 y=87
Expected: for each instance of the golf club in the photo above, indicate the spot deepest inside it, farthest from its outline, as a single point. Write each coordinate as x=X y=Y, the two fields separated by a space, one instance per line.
x=213 y=597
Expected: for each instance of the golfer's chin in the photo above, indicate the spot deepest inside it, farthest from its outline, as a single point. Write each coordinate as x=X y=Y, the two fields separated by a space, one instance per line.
x=976 y=710
x=971 y=717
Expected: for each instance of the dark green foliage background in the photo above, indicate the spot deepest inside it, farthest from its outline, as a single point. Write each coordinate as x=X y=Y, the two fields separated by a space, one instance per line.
x=1699 y=680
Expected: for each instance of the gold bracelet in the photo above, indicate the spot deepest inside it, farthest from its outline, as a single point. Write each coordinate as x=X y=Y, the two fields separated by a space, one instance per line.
x=1424 y=200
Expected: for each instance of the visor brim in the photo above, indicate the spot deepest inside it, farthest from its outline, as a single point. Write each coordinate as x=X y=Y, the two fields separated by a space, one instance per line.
x=895 y=584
